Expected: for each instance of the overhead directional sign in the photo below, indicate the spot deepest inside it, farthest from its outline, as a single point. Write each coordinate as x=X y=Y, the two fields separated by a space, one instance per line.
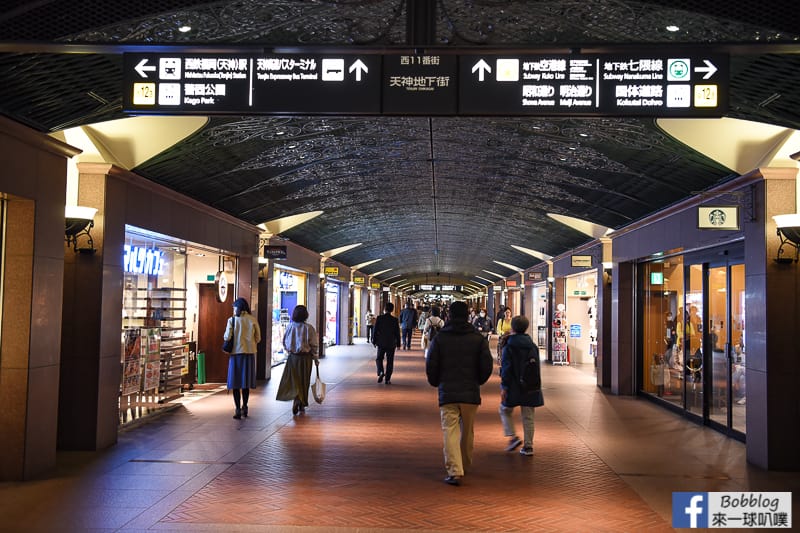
x=437 y=288
x=647 y=84
x=255 y=84
x=652 y=83
x=417 y=84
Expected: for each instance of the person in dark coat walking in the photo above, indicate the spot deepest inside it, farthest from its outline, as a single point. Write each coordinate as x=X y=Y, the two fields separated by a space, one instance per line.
x=386 y=337
x=408 y=321
x=458 y=363
x=520 y=385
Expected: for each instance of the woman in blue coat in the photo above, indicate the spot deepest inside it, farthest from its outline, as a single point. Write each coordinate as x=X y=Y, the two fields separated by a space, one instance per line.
x=521 y=384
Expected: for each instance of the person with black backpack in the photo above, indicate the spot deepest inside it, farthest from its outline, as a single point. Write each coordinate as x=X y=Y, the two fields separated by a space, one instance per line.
x=521 y=384
x=432 y=326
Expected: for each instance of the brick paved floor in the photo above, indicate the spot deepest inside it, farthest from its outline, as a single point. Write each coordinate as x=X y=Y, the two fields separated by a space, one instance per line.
x=370 y=459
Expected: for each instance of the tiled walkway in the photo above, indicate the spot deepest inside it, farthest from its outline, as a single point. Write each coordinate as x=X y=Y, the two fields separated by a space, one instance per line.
x=370 y=458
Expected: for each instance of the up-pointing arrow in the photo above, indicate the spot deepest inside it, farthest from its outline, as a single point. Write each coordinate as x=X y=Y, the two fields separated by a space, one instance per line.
x=483 y=68
x=709 y=69
x=359 y=67
x=143 y=67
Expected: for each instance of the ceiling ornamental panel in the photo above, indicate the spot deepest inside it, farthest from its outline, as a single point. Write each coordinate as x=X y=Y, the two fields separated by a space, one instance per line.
x=436 y=199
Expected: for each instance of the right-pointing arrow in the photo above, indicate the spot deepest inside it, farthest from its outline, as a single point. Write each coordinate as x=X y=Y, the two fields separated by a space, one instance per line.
x=483 y=68
x=709 y=69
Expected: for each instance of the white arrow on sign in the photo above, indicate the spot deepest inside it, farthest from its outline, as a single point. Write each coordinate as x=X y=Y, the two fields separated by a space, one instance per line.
x=483 y=68
x=142 y=68
x=359 y=67
x=709 y=69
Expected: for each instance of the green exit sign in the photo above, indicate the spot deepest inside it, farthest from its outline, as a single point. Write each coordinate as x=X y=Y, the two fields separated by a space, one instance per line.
x=656 y=278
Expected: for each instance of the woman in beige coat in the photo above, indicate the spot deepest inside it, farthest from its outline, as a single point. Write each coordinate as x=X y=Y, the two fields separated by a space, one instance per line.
x=300 y=342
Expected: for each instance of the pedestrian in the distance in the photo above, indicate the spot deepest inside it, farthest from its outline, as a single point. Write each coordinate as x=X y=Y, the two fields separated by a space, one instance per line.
x=459 y=362
x=520 y=384
x=243 y=328
x=408 y=321
x=300 y=342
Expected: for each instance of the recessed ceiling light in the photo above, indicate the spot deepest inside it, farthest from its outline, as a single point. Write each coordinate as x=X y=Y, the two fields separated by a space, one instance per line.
x=185 y=29
x=672 y=28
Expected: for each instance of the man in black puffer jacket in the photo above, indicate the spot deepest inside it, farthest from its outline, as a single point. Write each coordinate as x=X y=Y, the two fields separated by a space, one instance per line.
x=459 y=362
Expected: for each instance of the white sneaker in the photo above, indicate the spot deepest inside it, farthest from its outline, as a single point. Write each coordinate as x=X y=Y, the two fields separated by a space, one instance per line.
x=526 y=451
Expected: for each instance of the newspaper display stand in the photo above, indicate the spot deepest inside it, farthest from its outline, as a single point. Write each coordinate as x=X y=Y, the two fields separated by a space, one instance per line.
x=560 y=336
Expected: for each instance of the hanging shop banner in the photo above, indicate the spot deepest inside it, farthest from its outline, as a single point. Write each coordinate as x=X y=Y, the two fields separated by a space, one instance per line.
x=535 y=276
x=580 y=261
x=275 y=252
x=718 y=217
x=512 y=284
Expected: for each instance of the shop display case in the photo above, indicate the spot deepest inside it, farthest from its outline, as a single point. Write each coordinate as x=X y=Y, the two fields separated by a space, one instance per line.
x=155 y=350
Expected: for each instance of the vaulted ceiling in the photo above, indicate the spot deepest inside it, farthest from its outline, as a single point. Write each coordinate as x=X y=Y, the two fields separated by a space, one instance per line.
x=440 y=198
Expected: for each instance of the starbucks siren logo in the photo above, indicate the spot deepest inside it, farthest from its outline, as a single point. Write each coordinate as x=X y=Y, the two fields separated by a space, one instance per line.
x=717 y=217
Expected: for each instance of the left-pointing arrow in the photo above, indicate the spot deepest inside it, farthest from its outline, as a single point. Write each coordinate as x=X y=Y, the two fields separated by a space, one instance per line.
x=142 y=68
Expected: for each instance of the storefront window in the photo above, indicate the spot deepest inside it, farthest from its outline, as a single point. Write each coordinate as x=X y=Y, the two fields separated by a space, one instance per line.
x=331 y=335
x=581 y=298
x=662 y=323
x=289 y=290
x=154 y=348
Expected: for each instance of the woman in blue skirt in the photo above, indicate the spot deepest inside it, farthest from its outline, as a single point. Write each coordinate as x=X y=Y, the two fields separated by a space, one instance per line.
x=243 y=329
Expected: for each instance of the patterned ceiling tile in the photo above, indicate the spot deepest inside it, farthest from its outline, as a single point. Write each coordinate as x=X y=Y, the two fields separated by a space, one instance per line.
x=439 y=196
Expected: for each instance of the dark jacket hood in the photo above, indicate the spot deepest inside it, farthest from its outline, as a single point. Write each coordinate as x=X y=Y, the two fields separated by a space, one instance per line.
x=457 y=325
x=520 y=340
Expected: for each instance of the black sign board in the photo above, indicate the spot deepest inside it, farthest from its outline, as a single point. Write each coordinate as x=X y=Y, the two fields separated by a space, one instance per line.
x=249 y=83
x=662 y=83
x=679 y=85
x=438 y=288
x=420 y=84
x=275 y=252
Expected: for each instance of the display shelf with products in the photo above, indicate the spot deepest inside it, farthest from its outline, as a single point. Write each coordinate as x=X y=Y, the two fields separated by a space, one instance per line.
x=560 y=349
x=155 y=318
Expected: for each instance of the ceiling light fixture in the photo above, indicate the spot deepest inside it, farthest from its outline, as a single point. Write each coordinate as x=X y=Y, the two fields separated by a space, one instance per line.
x=672 y=28
x=185 y=29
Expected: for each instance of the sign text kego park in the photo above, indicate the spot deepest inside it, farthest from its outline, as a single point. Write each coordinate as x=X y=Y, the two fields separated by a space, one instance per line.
x=668 y=84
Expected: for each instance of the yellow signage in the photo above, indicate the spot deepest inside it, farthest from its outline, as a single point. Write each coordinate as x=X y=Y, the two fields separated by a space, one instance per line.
x=358 y=280
x=332 y=271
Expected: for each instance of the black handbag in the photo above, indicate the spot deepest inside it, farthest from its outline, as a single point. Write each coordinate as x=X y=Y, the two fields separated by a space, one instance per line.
x=227 y=345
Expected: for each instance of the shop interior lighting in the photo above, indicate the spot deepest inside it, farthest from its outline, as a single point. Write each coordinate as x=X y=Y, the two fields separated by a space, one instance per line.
x=79 y=221
x=789 y=234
